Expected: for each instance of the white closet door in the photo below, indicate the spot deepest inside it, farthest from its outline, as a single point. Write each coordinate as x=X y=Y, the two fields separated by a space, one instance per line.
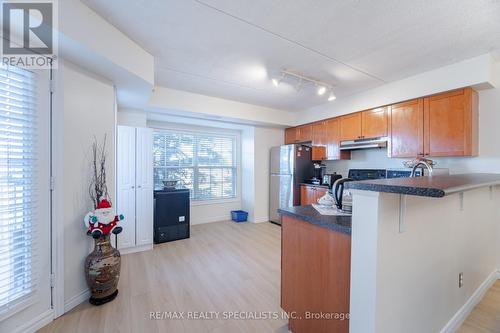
x=144 y=153
x=144 y=192
x=125 y=175
x=144 y=200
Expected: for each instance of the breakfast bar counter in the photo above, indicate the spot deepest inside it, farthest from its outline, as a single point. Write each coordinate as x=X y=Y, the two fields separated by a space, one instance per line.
x=436 y=187
x=339 y=223
x=421 y=248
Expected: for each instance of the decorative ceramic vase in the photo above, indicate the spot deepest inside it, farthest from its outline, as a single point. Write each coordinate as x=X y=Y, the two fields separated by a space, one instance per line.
x=102 y=271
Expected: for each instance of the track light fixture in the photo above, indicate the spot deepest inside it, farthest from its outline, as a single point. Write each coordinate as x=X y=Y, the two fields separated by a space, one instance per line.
x=276 y=82
x=321 y=90
x=322 y=87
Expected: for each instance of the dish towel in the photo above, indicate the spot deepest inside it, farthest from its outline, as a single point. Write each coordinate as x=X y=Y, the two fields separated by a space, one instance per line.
x=325 y=210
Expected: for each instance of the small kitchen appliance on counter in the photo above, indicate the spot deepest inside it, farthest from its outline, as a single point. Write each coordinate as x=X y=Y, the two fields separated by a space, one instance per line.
x=329 y=179
x=343 y=198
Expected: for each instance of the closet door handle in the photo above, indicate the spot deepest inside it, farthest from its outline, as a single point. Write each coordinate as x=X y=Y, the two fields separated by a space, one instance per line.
x=132 y=187
x=139 y=186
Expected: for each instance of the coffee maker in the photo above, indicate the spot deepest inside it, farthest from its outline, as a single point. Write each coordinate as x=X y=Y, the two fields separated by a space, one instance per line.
x=329 y=179
x=318 y=173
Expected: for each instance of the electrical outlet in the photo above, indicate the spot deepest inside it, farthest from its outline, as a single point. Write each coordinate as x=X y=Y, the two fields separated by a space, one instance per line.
x=460 y=280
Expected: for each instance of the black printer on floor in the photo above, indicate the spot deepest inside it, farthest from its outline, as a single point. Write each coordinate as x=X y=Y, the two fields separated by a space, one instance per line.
x=171 y=215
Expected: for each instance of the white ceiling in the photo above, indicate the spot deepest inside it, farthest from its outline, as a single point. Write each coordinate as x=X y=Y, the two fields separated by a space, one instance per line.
x=231 y=49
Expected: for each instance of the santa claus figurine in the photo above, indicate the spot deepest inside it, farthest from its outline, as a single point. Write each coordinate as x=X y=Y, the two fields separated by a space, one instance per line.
x=103 y=220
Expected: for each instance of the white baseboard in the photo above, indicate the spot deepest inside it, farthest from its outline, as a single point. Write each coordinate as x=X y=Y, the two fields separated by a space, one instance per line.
x=210 y=219
x=462 y=314
x=83 y=296
x=135 y=249
x=35 y=323
x=261 y=219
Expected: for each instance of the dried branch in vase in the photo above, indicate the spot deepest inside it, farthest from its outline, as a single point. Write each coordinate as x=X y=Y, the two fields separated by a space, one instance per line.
x=97 y=188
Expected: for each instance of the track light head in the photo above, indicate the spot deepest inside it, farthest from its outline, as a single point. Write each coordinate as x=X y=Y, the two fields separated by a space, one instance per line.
x=321 y=90
x=275 y=82
x=331 y=97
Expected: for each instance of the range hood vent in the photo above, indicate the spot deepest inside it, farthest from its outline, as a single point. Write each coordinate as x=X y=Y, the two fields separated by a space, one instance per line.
x=364 y=143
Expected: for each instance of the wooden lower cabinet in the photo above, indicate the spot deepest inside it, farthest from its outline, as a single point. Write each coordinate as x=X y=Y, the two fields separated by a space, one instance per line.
x=310 y=194
x=315 y=276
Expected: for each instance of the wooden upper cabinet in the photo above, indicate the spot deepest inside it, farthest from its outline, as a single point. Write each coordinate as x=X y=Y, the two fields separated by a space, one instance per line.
x=406 y=127
x=350 y=126
x=333 y=151
x=319 y=134
x=451 y=123
x=290 y=135
x=441 y=125
x=318 y=141
x=304 y=133
x=374 y=123
x=366 y=124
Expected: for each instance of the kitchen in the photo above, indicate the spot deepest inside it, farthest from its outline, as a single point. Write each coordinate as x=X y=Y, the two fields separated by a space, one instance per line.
x=299 y=167
x=351 y=243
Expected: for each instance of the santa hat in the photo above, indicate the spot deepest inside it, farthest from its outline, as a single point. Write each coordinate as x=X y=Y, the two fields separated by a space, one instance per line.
x=103 y=204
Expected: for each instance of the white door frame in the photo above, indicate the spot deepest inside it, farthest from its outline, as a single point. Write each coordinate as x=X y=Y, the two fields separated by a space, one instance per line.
x=57 y=167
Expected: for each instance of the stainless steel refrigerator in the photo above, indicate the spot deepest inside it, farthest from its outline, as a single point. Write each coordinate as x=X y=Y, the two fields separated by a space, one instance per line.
x=290 y=165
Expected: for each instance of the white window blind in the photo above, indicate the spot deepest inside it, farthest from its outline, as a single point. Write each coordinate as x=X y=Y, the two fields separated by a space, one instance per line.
x=203 y=162
x=17 y=190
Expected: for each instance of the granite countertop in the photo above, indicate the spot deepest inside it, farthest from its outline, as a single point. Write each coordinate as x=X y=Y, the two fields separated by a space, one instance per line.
x=435 y=187
x=314 y=185
x=339 y=223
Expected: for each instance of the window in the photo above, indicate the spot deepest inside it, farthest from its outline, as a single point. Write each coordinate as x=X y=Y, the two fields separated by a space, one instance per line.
x=17 y=191
x=203 y=162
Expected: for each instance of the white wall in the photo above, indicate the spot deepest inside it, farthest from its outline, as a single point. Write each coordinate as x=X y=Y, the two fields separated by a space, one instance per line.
x=265 y=138
x=81 y=24
x=489 y=149
x=408 y=282
x=248 y=171
x=88 y=40
x=254 y=170
x=86 y=107
x=131 y=117
x=177 y=102
x=206 y=212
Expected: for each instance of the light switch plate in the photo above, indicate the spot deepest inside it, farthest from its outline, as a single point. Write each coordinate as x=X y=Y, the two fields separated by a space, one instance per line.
x=182 y=218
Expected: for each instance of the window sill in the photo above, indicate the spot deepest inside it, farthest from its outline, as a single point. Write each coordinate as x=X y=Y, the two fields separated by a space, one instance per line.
x=18 y=305
x=214 y=202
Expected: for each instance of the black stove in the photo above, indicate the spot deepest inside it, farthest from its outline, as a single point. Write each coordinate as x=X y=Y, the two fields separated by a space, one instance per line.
x=365 y=174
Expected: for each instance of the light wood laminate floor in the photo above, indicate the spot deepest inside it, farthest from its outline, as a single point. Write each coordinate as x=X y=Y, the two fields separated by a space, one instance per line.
x=224 y=266
x=485 y=318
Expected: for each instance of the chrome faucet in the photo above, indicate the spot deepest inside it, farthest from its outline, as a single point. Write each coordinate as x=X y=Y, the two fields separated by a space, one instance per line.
x=424 y=163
